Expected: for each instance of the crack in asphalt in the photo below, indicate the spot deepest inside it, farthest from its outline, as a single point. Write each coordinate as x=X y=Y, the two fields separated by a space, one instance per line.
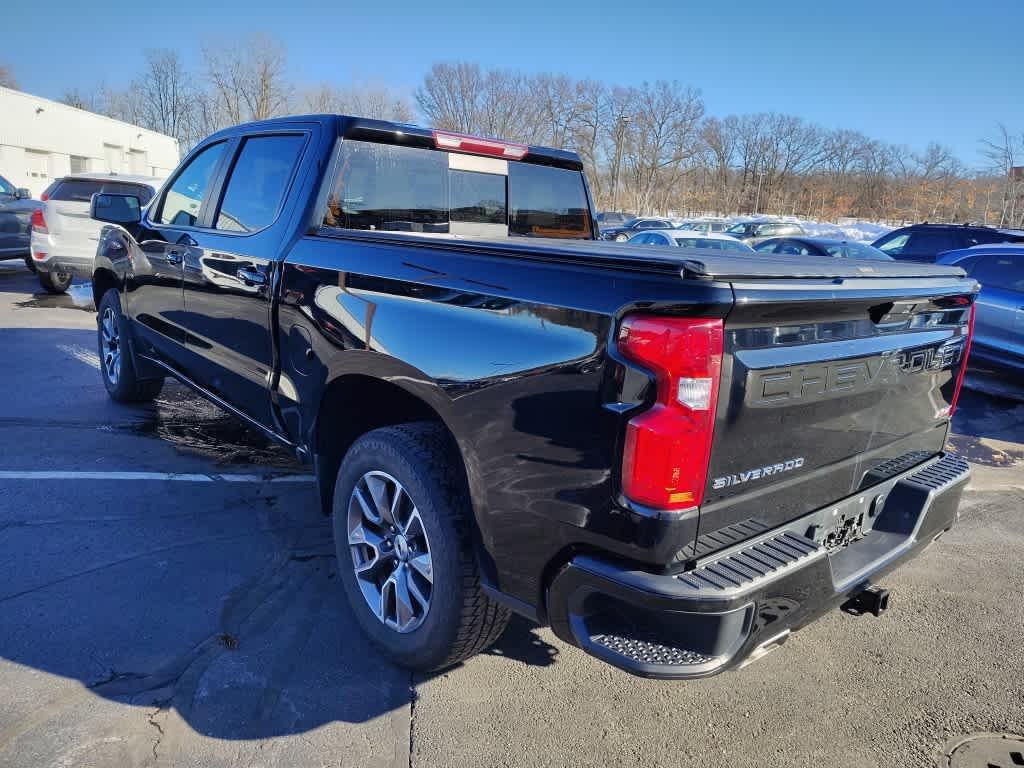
x=151 y=718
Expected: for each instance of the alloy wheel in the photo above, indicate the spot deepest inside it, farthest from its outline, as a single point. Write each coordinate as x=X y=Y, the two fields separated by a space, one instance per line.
x=390 y=551
x=110 y=340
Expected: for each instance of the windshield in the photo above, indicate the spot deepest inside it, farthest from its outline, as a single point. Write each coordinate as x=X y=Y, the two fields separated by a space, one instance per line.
x=738 y=229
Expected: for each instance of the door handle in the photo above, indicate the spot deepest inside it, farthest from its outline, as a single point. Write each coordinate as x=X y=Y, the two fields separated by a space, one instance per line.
x=174 y=257
x=251 y=276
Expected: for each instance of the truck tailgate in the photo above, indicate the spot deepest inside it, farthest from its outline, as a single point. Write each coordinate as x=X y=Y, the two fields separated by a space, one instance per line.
x=828 y=386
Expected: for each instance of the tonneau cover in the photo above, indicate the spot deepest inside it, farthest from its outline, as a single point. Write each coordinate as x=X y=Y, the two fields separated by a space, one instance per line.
x=696 y=263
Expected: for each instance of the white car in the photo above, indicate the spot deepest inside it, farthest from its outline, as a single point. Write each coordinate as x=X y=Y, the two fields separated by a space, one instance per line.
x=685 y=238
x=64 y=237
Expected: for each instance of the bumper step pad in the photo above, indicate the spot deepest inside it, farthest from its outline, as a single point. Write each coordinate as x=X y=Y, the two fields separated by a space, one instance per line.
x=755 y=562
x=649 y=652
x=937 y=477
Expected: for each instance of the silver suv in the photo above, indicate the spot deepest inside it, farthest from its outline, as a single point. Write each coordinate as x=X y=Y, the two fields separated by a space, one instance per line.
x=64 y=238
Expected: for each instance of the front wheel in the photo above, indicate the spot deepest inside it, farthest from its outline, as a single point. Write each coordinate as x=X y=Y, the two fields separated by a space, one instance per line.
x=116 y=365
x=55 y=282
x=403 y=542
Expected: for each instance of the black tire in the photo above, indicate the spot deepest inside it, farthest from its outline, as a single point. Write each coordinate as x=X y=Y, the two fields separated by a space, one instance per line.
x=30 y=264
x=54 y=282
x=122 y=381
x=461 y=620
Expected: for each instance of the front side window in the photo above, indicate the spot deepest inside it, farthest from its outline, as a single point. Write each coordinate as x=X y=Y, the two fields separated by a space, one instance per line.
x=927 y=242
x=258 y=182
x=895 y=244
x=183 y=200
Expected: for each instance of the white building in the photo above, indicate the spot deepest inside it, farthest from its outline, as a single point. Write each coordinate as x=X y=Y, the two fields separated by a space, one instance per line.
x=42 y=140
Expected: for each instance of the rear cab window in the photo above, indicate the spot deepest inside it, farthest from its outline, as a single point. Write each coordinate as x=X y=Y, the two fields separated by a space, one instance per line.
x=393 y=188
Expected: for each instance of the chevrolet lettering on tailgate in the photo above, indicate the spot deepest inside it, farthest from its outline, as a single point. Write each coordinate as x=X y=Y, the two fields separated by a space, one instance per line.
x=821 y=381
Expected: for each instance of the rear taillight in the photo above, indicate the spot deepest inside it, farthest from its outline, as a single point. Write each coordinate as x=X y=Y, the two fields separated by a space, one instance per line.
x=38 y=222
x=963 y=361
x=457 y=142
x=44 y=197
x=665 y=458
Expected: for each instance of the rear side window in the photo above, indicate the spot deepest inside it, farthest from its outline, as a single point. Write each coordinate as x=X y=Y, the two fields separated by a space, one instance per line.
x=391 y=188
x=735 y=245
x=183 y=200
x=547 y=202
x=258 y=182
x=981 y=237
x=925 y=242
x=82 y=190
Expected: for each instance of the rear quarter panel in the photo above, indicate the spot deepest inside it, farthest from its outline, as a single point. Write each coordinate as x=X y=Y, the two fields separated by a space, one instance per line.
x=512 y=354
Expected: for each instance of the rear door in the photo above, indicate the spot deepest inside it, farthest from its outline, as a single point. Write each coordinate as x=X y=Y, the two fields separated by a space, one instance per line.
x=999 y=323
x=828 y=387
x=230 y=269
x=925 y=244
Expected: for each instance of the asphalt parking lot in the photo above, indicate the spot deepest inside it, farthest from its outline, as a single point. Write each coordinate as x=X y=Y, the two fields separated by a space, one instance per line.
x=168 y=596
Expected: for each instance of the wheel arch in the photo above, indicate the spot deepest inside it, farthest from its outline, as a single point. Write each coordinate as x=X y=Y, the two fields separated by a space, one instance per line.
x=103 y=279
x=353 y=404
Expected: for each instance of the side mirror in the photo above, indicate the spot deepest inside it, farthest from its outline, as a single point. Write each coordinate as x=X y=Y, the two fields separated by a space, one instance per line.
x=23 y=193
x=115 y=209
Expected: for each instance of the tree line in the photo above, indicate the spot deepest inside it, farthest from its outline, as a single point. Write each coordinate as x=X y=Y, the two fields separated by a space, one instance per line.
x=648 y=148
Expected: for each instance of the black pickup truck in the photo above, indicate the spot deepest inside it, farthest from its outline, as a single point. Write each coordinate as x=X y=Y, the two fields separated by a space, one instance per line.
x=675 y=458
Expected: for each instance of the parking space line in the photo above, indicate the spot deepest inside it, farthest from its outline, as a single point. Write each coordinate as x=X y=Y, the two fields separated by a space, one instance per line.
x=183 y=477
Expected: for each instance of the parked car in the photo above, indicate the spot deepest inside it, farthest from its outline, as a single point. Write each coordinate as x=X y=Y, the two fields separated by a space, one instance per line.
x=706 y=225
x=16 y=209
x=675 y=459
x=924 y=242
x=607 y=219
x=752 y=231
x=690 y=239
x=625 y=231
x=999 y=310
x=820 y=246
x=64 y=237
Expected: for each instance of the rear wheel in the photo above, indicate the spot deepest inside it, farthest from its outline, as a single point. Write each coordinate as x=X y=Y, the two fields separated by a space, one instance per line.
x=116 y=365
x=55 y=282
x=405 y=555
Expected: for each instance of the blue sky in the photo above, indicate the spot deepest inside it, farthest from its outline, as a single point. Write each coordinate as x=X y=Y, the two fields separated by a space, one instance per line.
x=906 y=71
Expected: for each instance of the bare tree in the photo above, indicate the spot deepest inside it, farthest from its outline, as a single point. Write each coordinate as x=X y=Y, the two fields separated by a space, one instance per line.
x=1004 y=153
x=248 y=79
x=360 y=100
x=166 y=96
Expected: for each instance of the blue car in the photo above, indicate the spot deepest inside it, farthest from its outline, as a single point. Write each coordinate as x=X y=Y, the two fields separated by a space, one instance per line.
x=999 y=313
